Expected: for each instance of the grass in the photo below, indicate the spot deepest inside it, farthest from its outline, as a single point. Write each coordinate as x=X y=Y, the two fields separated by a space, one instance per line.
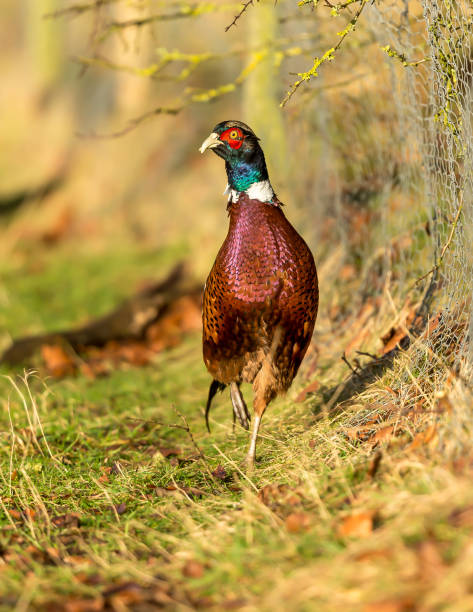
x=114 y=496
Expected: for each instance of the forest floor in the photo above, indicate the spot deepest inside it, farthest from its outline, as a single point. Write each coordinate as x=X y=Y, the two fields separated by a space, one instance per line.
x=115 y=497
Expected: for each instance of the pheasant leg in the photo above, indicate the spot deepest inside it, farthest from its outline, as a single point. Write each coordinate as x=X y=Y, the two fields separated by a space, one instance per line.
x=250 y=457
x=239 y=407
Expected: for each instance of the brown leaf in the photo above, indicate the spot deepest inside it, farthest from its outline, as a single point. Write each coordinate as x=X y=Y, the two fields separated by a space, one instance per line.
x=182 y=316
x=374 y=555
x=357 y=341
x=275 y=496
x=311 y=388
x=57 y=361
x=66 y=520
x=120 y=508
x=382 y=435
x=444 y=404
x=220 y=473
x=430 y=561
x=347 y=272
x=428 y=436
x=432 y=325
x=234 y=604
x=175 y=491
x=193 y=569
x=82 y=605
x=462 y=517
x=359 y=525
x=15 y=514
x=167 y=452
x=390 y=605
x=123 y=595
x=392 y=340
x=77 y=560
x=374 y=465
x=297 y=521
x=59 y=227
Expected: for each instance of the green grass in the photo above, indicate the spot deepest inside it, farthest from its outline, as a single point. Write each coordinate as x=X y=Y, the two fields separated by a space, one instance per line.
x=143 y=517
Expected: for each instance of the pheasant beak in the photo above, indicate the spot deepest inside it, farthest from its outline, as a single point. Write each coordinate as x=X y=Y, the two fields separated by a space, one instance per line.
x=211 y=142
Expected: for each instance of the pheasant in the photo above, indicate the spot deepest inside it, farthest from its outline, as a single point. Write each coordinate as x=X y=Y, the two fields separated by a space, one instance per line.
x=261 y=296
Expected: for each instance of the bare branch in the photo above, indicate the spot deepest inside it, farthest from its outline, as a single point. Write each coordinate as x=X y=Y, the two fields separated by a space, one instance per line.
x=306 y=76
x=237 y=17
x=78 y=9
x=134 y=123
x=192 y=11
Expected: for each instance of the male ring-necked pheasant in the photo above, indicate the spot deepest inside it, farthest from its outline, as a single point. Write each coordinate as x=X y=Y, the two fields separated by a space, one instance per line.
x=261 y=297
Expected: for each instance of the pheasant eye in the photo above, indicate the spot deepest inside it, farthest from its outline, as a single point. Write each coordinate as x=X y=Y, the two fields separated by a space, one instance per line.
x=233 y=134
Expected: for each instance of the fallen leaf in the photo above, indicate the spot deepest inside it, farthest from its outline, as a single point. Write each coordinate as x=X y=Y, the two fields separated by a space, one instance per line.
x=121 y=596
x=120 y=508
x=28 y=514
x=234 y=604
x=59 y=228
x=277 y=496
x=426 y=437
x=175 y=491
x=382 y=435
x=193 y=569
x=444 y=404
x=462 y=517
x=297 y=521
x=182 y=316
x=77 y=561
x=66 y=520
x=81 y=605
x=430 y=561
x=374 y=465
x=358 y=525
x=392 y=605
x=393 y=339
x=347 y=272
x=168 y=452
x=311 y=388
x=357 y=340
x=57 y=361
x=374 y=555
x=220 y=473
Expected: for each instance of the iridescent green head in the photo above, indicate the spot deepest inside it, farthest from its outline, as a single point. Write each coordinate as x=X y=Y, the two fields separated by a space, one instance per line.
x=239 y=146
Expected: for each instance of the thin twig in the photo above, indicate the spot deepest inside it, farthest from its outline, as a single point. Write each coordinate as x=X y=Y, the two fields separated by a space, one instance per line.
x=142 y=21
x=202 y=457
x=444 y=249
x=77 y=9
x=344 y=358
x=133 y=123
x=185 y=428
x=236 y=466
x=298 y=83
x=237 y=17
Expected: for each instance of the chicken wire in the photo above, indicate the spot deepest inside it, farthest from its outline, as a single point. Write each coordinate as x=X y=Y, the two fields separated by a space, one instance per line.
x=431 y=60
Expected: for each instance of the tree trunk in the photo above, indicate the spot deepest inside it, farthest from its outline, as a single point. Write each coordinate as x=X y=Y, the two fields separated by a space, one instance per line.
x=45 y=42
x=261 y=92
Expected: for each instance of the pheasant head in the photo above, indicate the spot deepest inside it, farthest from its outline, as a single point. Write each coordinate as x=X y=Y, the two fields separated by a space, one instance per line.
x=244 y=159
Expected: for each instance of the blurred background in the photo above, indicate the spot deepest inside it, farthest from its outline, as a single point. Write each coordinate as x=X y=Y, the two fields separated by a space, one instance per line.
x=104 y=105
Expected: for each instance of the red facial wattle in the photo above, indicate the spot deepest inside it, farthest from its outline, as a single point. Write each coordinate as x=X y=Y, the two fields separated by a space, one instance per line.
x=233 y=136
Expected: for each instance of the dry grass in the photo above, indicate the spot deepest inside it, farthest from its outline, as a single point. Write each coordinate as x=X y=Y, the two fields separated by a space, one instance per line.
x=362 y=496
